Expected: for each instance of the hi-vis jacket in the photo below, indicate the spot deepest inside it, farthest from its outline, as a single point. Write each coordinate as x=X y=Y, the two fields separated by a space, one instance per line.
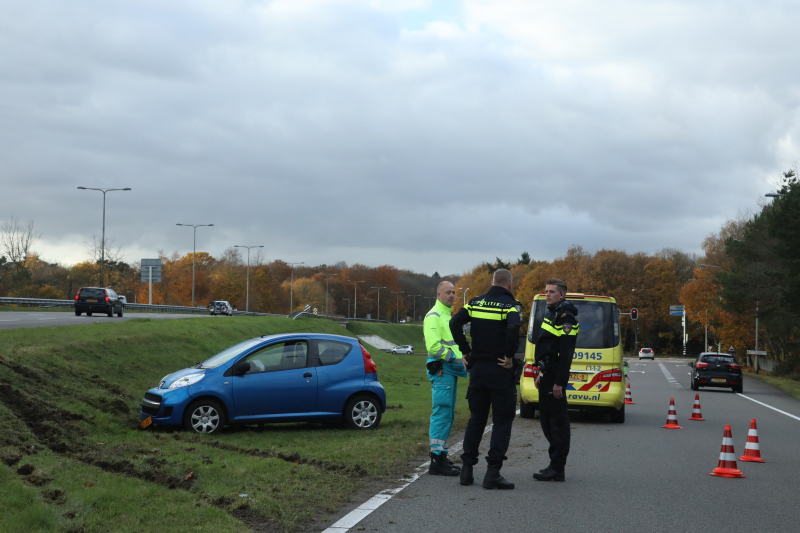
x=439 y=341
x=495 y=318
x=556 y=341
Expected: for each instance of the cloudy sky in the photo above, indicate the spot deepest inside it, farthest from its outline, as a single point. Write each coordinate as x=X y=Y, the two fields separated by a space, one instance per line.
x=428 y=135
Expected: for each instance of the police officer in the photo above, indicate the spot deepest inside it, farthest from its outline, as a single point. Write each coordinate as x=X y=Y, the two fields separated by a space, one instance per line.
x=495 y=320
x=445 y=366
x=555 y=346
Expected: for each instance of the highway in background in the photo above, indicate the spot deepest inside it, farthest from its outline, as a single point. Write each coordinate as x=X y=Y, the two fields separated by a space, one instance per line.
x=32 y=319
x=634 y=476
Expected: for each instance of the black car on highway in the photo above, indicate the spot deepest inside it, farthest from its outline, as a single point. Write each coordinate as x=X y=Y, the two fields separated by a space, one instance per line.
x=98 y=300
x=716 y=370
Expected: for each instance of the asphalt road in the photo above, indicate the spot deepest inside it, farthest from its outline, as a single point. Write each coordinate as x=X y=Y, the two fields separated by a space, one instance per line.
x=634 y=476
x=22 y=319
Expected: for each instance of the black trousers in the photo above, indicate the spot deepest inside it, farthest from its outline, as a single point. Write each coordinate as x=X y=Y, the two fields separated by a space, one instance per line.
x=555 y=425
x=490 y=387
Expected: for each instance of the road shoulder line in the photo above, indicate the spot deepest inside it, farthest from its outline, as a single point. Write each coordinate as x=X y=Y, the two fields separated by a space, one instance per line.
x=769 y=406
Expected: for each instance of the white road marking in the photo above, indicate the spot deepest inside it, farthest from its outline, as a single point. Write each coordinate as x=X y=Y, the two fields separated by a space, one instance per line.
x=636 y=371
x=669 y=377
x=46 y=319
x=765 y=405
x=365 y=509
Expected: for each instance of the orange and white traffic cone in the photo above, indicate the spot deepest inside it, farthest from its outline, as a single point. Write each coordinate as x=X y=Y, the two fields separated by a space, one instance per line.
x=696 y=414
x=672 y=417
x=751 y=450
x=628 y=397
x=727 y=459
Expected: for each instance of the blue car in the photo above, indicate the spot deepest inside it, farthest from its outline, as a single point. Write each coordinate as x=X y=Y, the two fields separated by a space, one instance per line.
x=275 y=378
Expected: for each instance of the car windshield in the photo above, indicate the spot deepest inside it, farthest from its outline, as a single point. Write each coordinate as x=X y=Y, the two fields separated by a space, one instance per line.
x=229 y=353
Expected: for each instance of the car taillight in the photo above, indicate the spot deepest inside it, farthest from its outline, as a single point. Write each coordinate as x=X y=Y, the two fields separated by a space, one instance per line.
x=614 y=374
x=734 y=366
x=530 y=371
x=106 y=293
x=701 y=365
x=369 y=364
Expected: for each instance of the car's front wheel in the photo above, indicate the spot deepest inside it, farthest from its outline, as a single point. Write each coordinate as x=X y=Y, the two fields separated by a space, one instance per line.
x=362 y=412
x=204 y=416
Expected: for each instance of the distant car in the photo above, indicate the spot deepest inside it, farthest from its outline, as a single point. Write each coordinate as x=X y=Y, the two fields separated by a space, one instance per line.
x=716 y=370
x=406 y=348
x=122 y=299
x=98 y=300
x=276 y=378
x=220 y=307
x=647 y=353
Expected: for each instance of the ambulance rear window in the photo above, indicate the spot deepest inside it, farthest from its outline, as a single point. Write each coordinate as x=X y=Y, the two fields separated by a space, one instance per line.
x=598 y=323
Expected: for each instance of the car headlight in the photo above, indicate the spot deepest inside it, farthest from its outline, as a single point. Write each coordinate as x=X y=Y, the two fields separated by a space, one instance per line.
x=185 y=381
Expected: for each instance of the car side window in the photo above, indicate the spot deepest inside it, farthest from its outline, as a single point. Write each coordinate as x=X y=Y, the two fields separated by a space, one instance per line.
x=332 y=352
x=281 y=356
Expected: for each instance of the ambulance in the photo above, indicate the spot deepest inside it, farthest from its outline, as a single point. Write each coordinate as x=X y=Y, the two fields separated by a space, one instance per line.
x=597 y=378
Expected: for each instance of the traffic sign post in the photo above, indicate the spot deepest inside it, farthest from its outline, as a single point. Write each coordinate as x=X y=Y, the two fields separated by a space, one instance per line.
x=152 y=267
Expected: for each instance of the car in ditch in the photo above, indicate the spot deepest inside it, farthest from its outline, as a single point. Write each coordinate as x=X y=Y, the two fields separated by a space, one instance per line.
x=275 y=378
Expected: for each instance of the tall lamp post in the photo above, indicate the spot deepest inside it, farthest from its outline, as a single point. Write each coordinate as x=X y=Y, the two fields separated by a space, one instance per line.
x=465 y=294
x=379 y=300
x=415 y=305
x=291 y=287
x=327 y=279
x=398 y=293
x=194 y=249
x=103 y=238
x=355 y=295
x=247 y=298
x=348 y=307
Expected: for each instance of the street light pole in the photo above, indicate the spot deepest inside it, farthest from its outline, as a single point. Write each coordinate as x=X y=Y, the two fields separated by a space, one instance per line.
x=355 y=295
x=379 y=299
x=194 y=249
x=247 y=299
x=348 y=307
x=465 y=294
x=103 y=238
x=415 y=305
x=397 y=305
x=291 y=287
x=327 y=279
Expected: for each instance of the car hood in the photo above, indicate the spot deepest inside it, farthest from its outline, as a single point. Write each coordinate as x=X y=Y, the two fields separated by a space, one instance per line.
x=171 y=378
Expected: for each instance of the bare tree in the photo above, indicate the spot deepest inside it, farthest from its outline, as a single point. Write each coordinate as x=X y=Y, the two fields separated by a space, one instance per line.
x=113 y=252
x=16 y=245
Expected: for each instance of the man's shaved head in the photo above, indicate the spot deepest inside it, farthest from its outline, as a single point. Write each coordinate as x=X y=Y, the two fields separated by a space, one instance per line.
x=502 y=278
x=446 y=293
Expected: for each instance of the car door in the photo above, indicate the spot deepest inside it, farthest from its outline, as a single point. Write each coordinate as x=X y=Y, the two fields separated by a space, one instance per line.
x=279 y=381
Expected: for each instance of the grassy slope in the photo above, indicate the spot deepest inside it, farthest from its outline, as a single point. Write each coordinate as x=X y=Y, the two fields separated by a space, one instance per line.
x=396 y=333
x=72 y=456
x=787 y=385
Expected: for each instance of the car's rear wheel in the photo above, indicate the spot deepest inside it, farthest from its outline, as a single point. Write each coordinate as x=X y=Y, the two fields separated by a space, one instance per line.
x=77 y=313
x=738 y=388
x=362 y=412
x=204 y=416
x=110 y=311
x=527 y=410
x=88 y=313
x=618 y=417
x=121 y=309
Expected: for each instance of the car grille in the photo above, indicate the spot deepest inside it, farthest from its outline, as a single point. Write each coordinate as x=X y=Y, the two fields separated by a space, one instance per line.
x=152 y=397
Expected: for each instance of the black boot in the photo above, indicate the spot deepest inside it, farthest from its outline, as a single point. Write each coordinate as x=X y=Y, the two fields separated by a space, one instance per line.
x=439 y=466
x=451 y=463
x=493 y=479
x=549 y=474
x=466 y=475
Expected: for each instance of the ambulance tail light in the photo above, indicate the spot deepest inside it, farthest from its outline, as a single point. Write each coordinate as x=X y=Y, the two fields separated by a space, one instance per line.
x=615 y=374
x=369 y=364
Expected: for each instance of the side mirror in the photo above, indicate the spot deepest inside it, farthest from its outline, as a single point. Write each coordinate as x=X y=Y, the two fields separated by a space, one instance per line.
x=691 y=364
x=241 y=368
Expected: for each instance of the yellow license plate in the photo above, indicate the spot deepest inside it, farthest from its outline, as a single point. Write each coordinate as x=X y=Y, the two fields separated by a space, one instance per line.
x=147 y=421
x=719 y=380
x=91 y=300
x=577 y=377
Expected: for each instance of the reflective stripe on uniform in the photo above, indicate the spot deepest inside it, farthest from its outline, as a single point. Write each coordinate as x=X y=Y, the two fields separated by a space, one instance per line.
x=432 y=313
x=558 y=331
x=438 y=441
x=448 y=343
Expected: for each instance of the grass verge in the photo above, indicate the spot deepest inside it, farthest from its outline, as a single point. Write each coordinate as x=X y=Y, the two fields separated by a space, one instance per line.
x=787 y=385
x=72 y=456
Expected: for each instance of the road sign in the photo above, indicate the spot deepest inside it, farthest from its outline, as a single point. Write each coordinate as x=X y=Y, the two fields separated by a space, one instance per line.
x=153 y=265
x=676 y=313
x=731 y=349
x=756 y=352
x=676 y=308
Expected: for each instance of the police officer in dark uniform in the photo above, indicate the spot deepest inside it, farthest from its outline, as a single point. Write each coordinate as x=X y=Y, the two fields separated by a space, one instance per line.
x=495 y=321
x=555 y=346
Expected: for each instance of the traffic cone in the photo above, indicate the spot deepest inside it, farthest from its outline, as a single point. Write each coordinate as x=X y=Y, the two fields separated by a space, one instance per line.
x=672 y=417
x=696 y=414
x=628 y=398
x=727 y=459
x=752 y=452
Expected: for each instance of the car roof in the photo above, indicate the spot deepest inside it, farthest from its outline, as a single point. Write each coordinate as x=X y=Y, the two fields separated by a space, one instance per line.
x=329 y=336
